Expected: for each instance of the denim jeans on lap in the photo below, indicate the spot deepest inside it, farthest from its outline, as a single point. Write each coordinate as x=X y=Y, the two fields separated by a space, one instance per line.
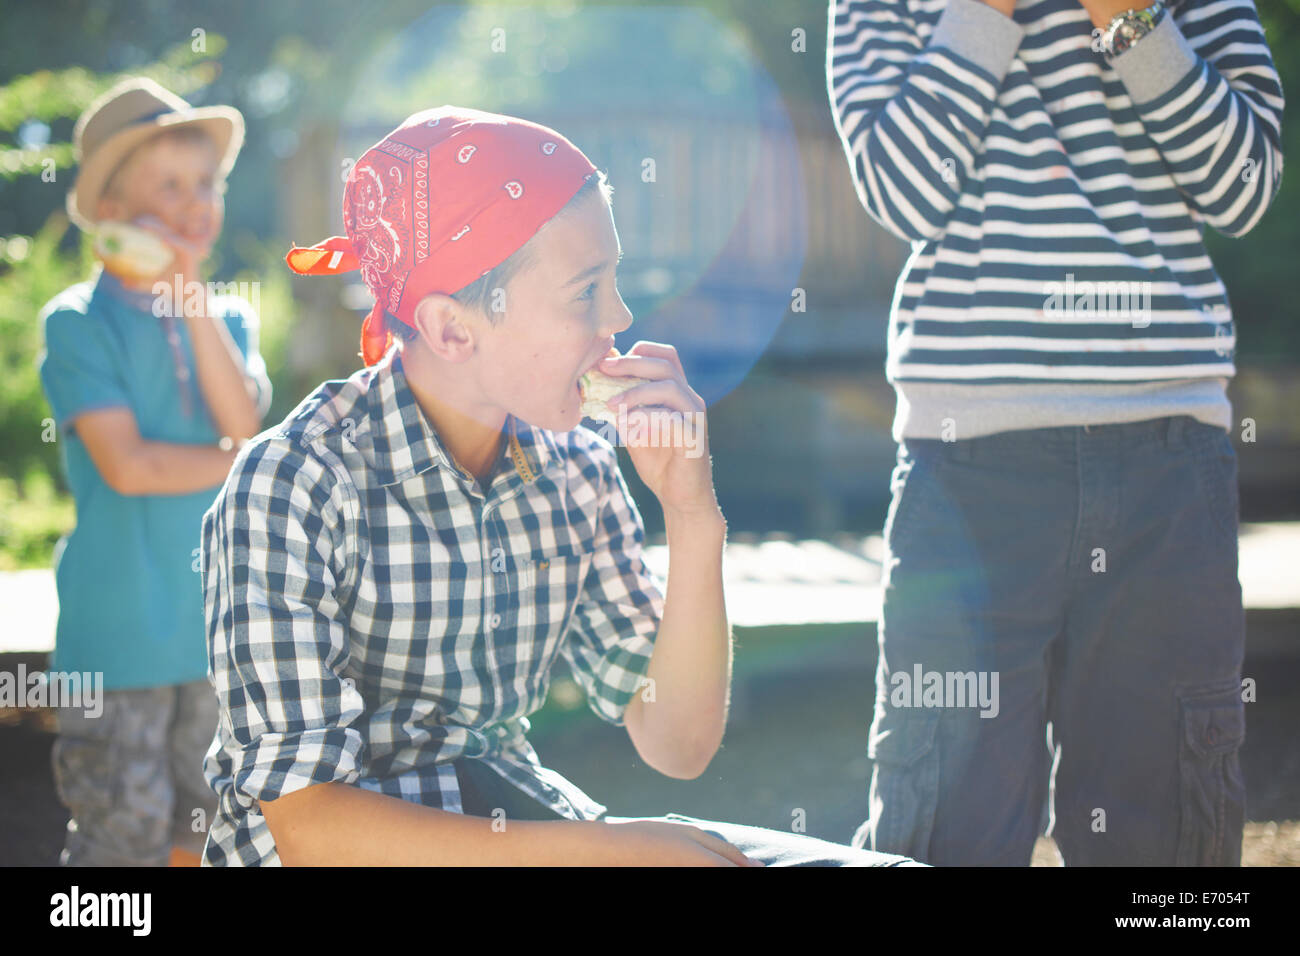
x=1093 y=572
x=483 y=791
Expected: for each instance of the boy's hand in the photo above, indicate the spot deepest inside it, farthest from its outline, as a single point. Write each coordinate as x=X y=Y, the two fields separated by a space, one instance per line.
x=189 y=254
x=666 y=843
x=666 y=428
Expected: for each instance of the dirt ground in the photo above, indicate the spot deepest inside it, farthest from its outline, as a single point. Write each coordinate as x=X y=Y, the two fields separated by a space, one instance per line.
x=1263 y=844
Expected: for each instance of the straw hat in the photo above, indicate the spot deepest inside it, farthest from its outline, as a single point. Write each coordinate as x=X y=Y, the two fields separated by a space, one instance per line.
x=130 y=113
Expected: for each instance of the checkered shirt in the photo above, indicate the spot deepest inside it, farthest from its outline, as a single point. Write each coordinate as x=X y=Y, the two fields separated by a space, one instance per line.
x=373 y=613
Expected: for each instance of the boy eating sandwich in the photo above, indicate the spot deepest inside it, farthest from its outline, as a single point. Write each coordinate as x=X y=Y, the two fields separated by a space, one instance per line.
x=391 y=572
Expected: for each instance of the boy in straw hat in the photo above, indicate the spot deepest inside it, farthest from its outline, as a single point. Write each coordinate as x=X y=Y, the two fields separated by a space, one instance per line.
x=392 y=571
x=150 y=405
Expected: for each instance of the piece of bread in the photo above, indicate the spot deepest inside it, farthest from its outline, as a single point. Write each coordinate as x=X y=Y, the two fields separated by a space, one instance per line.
x=131 y=253
x=598 y=388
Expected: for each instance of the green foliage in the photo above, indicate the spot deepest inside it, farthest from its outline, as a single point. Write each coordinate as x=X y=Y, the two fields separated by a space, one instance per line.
x=41 y=272
x=33 y=515
x=50 y=95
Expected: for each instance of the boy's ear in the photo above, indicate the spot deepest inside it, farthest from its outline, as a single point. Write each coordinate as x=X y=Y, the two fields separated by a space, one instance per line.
x=444 y=327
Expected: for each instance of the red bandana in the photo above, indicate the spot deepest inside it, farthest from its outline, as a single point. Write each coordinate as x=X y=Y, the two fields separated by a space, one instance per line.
x=438 y=203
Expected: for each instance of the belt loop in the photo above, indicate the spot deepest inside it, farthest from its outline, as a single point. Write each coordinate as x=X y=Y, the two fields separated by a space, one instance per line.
x=1174 y=431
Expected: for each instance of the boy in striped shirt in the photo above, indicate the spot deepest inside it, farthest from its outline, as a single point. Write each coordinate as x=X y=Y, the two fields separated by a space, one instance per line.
x=1065 y=498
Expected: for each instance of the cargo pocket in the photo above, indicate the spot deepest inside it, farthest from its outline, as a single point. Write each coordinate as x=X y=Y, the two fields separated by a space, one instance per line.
x=905 y=783
x=1212 y=795
x=85 y=759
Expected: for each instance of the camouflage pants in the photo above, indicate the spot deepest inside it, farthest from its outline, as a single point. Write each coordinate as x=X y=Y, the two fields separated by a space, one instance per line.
x=132 y=778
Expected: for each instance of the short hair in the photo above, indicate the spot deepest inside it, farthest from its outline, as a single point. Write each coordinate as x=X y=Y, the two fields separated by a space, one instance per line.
x=181 y=134
x=478 y=294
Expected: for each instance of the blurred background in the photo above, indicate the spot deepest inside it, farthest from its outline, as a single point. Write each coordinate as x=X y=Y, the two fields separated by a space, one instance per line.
x=745 y=246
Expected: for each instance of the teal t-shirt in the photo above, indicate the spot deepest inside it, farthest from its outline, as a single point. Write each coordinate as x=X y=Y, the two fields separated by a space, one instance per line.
x=129 y=586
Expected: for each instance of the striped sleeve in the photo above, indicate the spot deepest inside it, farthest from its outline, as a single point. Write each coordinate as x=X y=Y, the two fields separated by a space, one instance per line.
x=1210 y=100
x=912 y=119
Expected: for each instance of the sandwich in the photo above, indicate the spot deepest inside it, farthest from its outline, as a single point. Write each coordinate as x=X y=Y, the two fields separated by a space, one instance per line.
x=597 y=388
x=131 y=253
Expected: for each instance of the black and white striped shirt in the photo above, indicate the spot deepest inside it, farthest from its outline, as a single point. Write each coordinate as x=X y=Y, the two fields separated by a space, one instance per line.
x=1056 y=202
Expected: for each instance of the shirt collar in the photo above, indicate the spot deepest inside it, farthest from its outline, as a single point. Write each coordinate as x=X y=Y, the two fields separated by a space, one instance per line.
x=405 y=443
x=110 y=285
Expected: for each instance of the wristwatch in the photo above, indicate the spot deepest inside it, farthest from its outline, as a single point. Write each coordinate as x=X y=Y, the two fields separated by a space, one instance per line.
x=1129 y=27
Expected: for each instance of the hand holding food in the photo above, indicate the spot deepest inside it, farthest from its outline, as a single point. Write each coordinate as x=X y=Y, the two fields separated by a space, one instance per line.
x=598 y=388
x=665 y=428
x=131 y=253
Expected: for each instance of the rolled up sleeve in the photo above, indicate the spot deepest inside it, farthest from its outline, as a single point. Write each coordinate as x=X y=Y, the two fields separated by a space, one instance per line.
x=277 y=640
x=617 y=615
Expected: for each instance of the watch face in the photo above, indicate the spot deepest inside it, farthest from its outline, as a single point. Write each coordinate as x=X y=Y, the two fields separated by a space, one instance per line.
x=1127 y=33
x=1132 y=26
